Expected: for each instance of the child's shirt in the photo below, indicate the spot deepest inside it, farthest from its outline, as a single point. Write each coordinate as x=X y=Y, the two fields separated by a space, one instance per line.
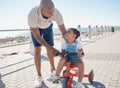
x=72 y=48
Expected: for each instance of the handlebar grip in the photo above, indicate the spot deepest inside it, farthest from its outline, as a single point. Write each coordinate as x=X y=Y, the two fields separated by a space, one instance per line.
x=66 y=54
x=57 y=53
x=83 y=53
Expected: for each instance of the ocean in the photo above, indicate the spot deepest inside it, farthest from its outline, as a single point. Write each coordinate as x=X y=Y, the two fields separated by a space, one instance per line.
x=22 y=32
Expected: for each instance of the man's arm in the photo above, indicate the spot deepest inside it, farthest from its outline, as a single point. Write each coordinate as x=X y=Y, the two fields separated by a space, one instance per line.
x=62 y=29
x=37 y=36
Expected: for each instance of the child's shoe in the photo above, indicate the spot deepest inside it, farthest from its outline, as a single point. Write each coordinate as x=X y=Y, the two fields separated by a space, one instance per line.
x=56 y=79
x=79 y=85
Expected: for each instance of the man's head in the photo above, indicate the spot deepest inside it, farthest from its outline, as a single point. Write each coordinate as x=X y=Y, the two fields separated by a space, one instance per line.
x=47 y=8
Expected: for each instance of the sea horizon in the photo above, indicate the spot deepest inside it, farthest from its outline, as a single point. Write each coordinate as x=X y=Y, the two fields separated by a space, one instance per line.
x=26 y=32
x=4 y=33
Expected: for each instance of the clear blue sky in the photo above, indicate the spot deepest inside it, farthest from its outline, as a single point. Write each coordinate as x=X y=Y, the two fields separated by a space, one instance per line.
x=13 y=13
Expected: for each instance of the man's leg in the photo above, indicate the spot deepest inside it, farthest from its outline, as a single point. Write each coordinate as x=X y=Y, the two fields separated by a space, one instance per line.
x=51 y=59
x=37 y=59
x=48 y=37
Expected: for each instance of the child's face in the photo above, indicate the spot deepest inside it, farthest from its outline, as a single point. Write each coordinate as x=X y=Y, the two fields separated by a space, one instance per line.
x=70 y=35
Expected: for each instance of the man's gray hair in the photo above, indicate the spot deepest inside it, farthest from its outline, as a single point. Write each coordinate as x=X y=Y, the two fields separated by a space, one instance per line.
x=46 y=3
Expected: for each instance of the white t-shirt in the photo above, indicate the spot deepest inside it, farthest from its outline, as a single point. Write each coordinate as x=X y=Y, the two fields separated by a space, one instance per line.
x=36 y=20
x=77 y=43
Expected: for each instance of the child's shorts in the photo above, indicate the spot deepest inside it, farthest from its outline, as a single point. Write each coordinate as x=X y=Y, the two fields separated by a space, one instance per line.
x=73 y=59
x=46 y=34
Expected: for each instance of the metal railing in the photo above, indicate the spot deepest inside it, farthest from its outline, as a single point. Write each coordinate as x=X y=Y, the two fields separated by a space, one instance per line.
x=12 y=40
x=90 y=33
x=94 y=32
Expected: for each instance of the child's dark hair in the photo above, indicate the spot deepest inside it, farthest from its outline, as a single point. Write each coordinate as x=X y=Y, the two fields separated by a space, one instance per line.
x=76 y=32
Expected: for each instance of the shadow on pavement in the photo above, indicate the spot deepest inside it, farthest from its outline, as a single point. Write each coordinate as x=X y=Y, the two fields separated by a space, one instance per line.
x=44 y=58
x=94 y=84
x=17 y=70
x=44 y=85
x=2 y=85
x=13 y=64
x=98 y=85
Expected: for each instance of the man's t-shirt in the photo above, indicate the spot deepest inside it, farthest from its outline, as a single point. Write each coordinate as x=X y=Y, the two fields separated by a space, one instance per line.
x=36 y=20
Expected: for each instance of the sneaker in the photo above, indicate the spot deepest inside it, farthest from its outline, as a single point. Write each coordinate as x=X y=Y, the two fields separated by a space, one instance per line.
x=52 y=77
x=79 y=85
x=56 y=79
x=38 y=82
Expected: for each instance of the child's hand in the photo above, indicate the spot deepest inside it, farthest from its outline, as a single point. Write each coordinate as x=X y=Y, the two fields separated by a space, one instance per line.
x=64 y=54
x=80 y=53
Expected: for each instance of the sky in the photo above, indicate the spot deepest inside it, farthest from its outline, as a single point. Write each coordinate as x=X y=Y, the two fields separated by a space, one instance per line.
x=14 y=13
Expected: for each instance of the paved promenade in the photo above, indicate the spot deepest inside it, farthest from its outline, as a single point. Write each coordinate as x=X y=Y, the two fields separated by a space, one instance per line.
x=102 y=54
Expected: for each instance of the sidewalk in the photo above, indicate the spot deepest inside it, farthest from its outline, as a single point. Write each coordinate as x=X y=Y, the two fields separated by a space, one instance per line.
x=102 y=54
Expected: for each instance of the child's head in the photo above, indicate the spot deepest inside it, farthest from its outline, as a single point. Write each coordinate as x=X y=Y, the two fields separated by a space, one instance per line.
x=72 y=34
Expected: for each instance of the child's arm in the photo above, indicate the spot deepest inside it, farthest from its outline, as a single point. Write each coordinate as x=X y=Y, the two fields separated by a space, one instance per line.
x=81 y=52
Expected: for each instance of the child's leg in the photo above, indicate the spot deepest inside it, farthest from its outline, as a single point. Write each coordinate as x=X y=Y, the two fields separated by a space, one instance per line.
x=80 y=66
x=60 y=66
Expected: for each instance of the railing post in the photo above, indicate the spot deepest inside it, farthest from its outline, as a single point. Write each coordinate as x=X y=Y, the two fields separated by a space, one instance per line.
x=102 y=29
x=79 y=28
x=108 y=29
x=105 y=29
x=89 y=31
x=96 y=30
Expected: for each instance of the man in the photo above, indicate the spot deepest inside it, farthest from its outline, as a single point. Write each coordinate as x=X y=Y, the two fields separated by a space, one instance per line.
x=40 y=21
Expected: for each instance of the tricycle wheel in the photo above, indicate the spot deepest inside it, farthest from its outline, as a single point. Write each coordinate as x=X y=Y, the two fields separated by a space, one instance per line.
x=65 y=82
x=91 y=76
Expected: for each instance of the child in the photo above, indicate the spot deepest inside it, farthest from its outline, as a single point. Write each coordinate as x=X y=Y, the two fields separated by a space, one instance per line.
x=72 y=46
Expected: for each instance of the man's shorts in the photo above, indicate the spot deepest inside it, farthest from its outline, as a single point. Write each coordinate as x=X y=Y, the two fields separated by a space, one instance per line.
x=46 y=34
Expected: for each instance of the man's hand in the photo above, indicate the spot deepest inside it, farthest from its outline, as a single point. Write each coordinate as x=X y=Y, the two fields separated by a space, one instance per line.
x=53 y=51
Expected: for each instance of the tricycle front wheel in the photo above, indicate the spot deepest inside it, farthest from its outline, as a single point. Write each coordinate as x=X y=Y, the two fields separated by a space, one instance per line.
x=65 y=82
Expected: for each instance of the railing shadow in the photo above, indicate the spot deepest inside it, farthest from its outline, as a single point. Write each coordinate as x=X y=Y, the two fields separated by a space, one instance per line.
x=44 y=85
x=2 y=85
x=29 y=65
x=15 y=63
x=16 y=70
x=42 y=57
x=95 y=84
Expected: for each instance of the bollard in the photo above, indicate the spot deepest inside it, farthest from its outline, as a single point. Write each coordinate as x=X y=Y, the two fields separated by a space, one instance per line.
x=96 y=30
x=89 y=31
x=105 y=29
x=108 y=28
x=79 y=28
x=101 y=29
